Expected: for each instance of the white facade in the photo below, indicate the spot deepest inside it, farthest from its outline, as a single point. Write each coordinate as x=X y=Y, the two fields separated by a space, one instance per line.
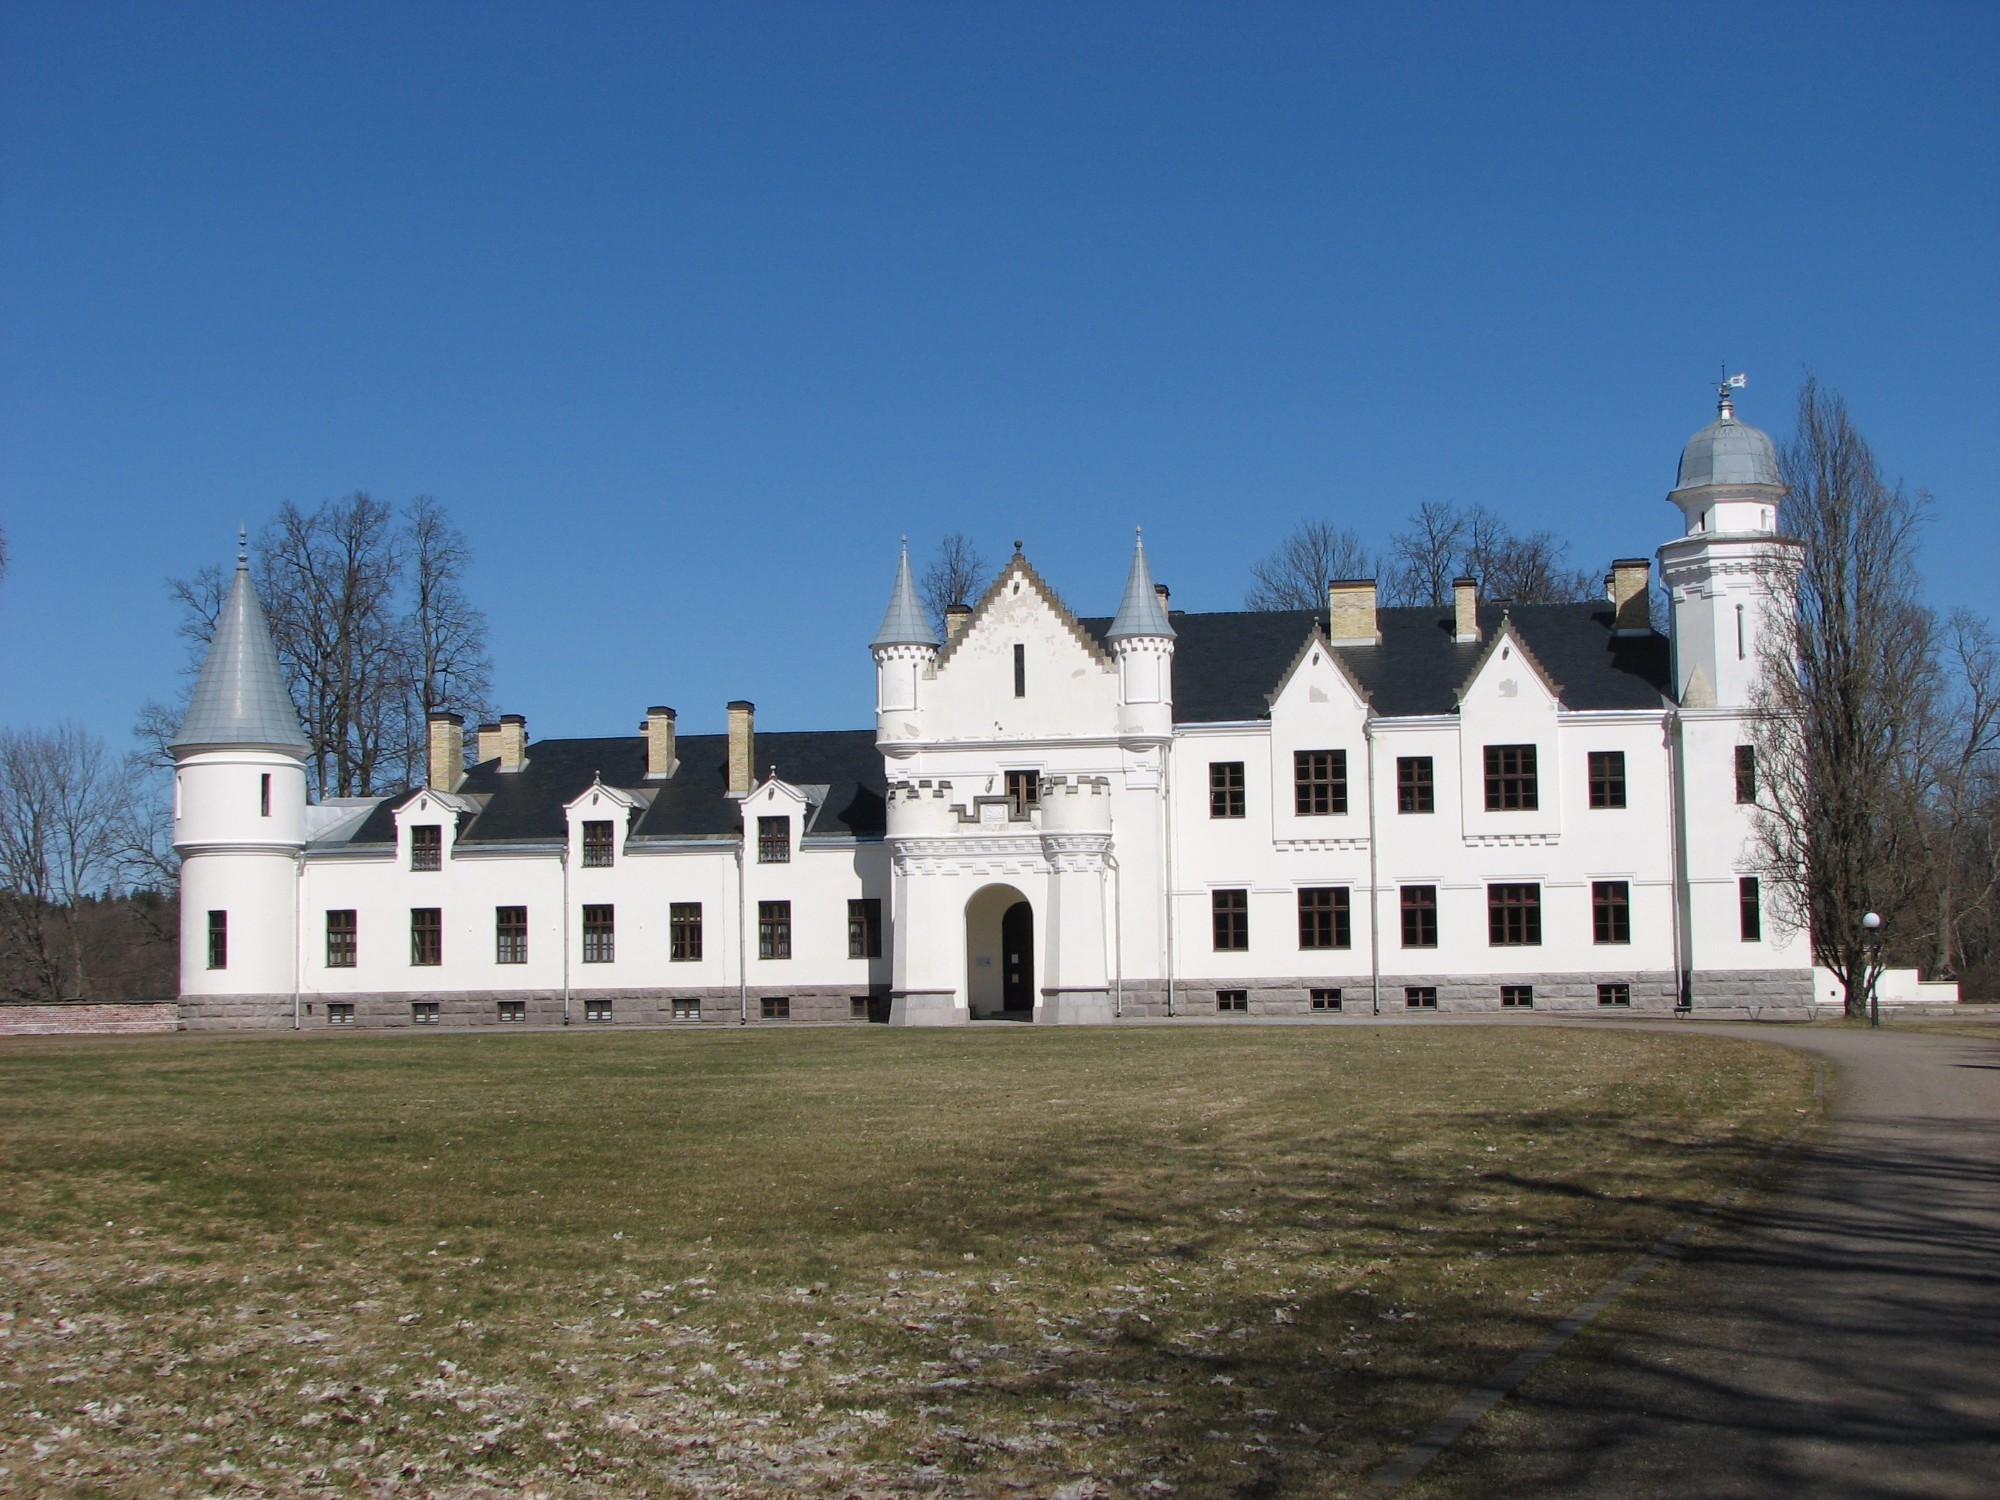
x=1067 y=821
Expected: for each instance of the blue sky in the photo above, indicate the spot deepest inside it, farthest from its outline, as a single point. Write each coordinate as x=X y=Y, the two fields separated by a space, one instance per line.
x=688 y=313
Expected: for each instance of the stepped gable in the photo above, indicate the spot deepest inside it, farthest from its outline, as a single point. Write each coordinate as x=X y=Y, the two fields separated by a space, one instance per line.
x=1226 y=665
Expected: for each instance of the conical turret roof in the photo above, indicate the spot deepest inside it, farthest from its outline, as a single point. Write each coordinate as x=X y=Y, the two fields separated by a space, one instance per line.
x=240 y=697
x=1140 y=612
x=904 y=623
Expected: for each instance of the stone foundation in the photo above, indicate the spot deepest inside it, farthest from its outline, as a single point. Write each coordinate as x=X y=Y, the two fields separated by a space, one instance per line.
x=90 y=1018
x=1752 y=992
x=1075 y=1008
x=1652 y=993
x=469 y=1010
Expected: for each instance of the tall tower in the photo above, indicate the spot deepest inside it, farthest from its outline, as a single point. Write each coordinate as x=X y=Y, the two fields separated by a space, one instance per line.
x=1721 y=572
x=904 y=649
x=239 y=825
x=1143 y=641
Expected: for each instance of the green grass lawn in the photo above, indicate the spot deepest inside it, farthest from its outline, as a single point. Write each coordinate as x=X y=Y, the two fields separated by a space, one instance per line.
x=824 y=1262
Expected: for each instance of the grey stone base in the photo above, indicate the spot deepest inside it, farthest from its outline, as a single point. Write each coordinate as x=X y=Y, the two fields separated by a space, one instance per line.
x=235 y=1012
x=926 y=1008
x=465 y=1010
x=1651 y=993
x=1075 y=1008
x=1755 y=991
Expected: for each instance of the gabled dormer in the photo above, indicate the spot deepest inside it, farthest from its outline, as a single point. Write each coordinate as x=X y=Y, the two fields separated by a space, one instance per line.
x=1318 y=747
x=597 y=822
x=1509 y=768
x=427 y=828
x=776 y=815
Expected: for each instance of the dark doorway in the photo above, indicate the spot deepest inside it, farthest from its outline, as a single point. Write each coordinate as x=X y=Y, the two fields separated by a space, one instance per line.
x=1017 y=957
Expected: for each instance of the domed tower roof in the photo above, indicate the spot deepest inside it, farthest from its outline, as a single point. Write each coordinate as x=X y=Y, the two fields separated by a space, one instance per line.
x=904 y=623
x=240 y=697
x=1727 y=451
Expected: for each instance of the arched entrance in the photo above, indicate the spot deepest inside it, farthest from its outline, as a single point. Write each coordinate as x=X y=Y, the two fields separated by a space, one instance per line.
x=1000 y=954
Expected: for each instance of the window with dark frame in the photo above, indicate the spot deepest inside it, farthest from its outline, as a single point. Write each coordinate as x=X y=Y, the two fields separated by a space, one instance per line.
x=340 y=1013
x=687 y=1010
x=1611 y=911
x=1020 y=670
x=342 y=939
x=774 y=841
x=423 y=1012
x=683 y=931
x=1230 y=916
x=857 y=1007
x=1416 y=786
x=218 y=940
x=1233 y=1002
x=510 y=934
x=1325 y=999
x=1614 y=994
x=264 y=794
x=1024 y=791
x=1746 y=773
x=1607 y=778
x=1514 y=915
x=774 y=929
x=427 y=847
x=596 y=845
x=864 y=927
x=513 y=1010
x=597 y=1010
x=1225 y=789
x=1324 y=917
x=1420 y=916
x=1749 y=909
x=1420 y=996
x=1319 y=782
x=1511 y=782
x=599 y=934
x=426 y=936
x=775 y=1008
x=1517 y=997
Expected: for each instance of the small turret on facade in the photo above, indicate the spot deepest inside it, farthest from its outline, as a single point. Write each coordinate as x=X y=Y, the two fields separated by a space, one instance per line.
x=905 y=649
x=1142 y=639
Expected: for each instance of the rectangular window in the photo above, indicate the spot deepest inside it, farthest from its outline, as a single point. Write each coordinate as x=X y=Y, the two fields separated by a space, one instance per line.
x=1610 y=911
x=1324 y=917
x=513 y=1010
x=264 y=794
x=596 y=844
x=1517 y=997
x=1749 y=909
x=1416 y=789
x=775 y=1007
x=1024 y=790
x=597 y=1010
x=1420 y=916
x=683 y=931
x=1607 y=778
x=1225 y=789
x=340 y=1013
x=1319 y=782
x=857 y=1007
x=427 y=847
x=599 y=935
x=687 y=1010
x=774 y=929
x=1326 y=999
x=1511 y=784
x=218 y=940
x=1233 y=1002
x=1020 y=671
x=774 y=841
x=1230 y=915
x=1614 y=994
x=864 y=927
x=342 y=939
x=1746 y=773
x=423 y=1013
x=426 y=936
x=510 y=934
x=1420 y=996
x=1513 y=915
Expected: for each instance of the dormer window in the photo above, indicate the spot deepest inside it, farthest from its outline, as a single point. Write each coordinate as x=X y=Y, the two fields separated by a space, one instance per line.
x=427 y=847
x=774 y=841
x=597 y=845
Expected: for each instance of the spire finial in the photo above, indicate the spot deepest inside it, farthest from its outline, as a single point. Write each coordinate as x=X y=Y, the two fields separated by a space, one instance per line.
x=1017 y=546
x=242 y=546
x=1725 y=404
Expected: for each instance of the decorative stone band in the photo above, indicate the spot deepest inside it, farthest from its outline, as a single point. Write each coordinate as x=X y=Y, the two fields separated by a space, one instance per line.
x=1025 y=853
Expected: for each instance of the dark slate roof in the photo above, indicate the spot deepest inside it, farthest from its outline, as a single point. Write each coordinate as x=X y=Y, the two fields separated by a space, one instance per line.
x=1226 y=666
x=528 y=804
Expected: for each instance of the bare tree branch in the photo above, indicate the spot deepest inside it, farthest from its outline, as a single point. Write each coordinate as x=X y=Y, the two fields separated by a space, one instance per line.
x=1296 y=575
x=956 y=575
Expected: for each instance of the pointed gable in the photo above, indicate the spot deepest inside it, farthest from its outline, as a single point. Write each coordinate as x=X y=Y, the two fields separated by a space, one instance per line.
x=1010 y=583
x=1318 y=675
x=1503 y=665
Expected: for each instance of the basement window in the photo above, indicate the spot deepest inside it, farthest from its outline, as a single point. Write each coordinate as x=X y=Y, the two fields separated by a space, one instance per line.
x=775 y=1008
x=687 y=1010
x=1233 y=1002
x=597 y=1010
x=339 y=1013
x=423 y=1012
x=1420 y=996
x=1326 y=999
x=1517 y=997
x=1614 y=994
x=513 y=1010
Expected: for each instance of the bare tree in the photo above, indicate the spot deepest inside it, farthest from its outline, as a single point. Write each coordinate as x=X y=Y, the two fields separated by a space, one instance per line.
x=1954 y=766
x=1531 y=569
x=68 y=829
x=1296 y=575
x=1443 y=541
x=1846 y=667
x=955 y=576
x=1428 y=553
x=446 y=632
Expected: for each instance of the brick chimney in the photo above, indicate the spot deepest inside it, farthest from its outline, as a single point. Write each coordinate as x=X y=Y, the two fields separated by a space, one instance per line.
x=1631 y=596
x=659 y=732
x=1161 y=590
x=513 y=742
x=489 y=743
x=1351 y=612
x=955 y=616
x=447 y=757
x=1465 y=609
x=742 y=747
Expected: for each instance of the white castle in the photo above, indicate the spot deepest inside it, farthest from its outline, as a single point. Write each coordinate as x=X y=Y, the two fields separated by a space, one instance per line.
x=1478 y=808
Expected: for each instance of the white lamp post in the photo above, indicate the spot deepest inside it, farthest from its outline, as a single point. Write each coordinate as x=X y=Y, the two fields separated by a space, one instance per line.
x=1871 y=942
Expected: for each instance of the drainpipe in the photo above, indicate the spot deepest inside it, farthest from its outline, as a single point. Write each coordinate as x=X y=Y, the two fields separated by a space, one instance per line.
x=563 y=860
x=1677 y=842
x=1374 y=880
x=1167 y=862
x=742 y=934
x=298 y=932
x=1116 y=888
